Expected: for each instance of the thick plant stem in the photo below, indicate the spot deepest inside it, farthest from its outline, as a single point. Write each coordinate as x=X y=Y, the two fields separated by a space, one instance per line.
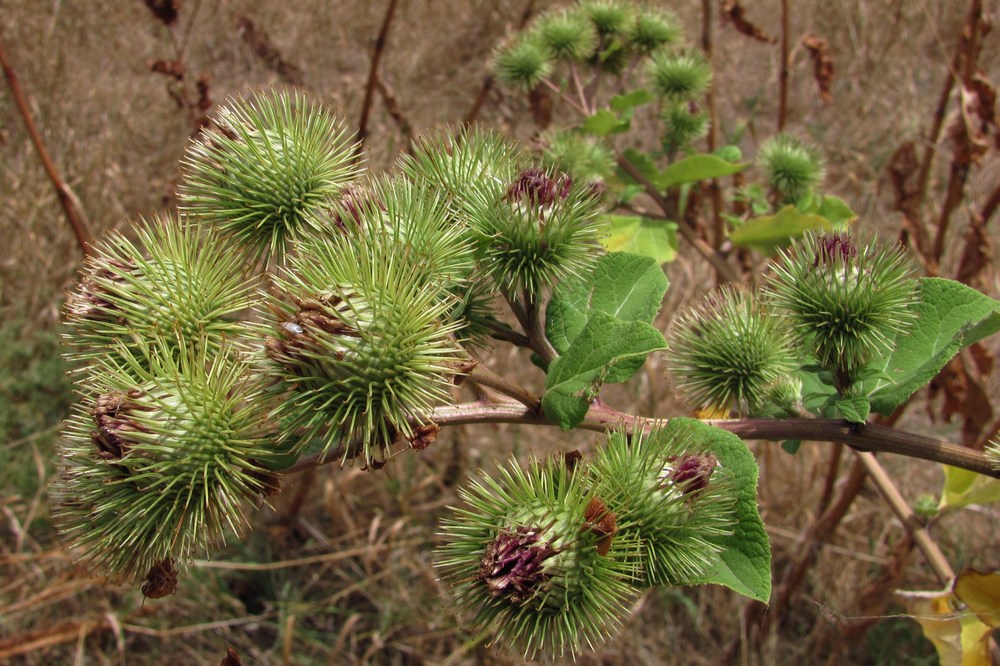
x=714 y=190
x=912 y=524
x=67 y=199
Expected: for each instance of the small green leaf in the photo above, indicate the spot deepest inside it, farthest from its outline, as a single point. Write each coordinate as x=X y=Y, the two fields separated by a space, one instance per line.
x=836 y=211
x=950 y=316
x=729 y=153
x=574 y=378
x=627 y=286
x=769 y=232
x=962 y=488
x=694 y=168
x=745 y=563
x=791 y=446
x=854 y=409
x=652 y=238
x=630 y=100
x=603 y=123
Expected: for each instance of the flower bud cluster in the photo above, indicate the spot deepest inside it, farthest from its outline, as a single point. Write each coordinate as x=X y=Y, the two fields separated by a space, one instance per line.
x=550 y=555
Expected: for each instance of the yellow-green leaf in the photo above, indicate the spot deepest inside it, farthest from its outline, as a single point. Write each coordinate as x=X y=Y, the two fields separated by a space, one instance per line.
x=962 y=488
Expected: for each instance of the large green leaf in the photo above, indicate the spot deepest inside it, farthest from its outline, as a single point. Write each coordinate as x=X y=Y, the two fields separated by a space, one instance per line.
x=627 y=286
x=962 y=488
x=769 y=232
x=693 y=168
x=603 y=123
x=950 y=316
x=649 y=237
x=603 y=351
x=745 y=562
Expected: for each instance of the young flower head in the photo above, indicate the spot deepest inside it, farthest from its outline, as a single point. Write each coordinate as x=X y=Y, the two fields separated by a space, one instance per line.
x=653 y=29
x=792 y=167
x=611 y=18
x=270 y=162
x=566 y=35
x=679 y=77
x=727 y=351
x=683 y=124
x=163 y=457
x=537 y=557
x=358 y=350
x=462 y=165
x=522 y=63
x=177 y=283
x=671 y=494
x=585 y=158
x=543 y=229
x=846 y=303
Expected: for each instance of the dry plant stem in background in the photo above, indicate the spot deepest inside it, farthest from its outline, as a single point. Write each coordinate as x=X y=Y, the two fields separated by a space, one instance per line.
x=70 y=204
x=377 y=53
x=715 y=191
x=783 y=75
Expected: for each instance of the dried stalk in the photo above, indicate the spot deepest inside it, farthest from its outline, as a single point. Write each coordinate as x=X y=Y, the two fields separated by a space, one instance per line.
x=69 y=202
x=380 y=44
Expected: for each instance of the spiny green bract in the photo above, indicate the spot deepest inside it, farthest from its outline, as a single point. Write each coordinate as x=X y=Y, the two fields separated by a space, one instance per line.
x=545 y=228
x=679 y=77
x=522 y=63
x=535 y=557
x=611 y=18
x=727 y=351
x=177 y=284
x=670 y=494
x=682 y=126
x=463 y=165
x=566 y=35
x=652 y=29
x=583 y=157
x=792 y=166
x=846 y=303
x=271 y=162
x=359 y=350
x=162 y=457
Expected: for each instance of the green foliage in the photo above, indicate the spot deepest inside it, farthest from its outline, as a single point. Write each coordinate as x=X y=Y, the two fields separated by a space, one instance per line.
x=679 y=77
x=792 y=167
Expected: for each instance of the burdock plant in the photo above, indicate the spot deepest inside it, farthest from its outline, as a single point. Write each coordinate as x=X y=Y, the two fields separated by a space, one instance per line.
x=536 y=557
x=268 y=163
x=846 y=303
x=792 y=166
x=728 y=351
x=163 y=456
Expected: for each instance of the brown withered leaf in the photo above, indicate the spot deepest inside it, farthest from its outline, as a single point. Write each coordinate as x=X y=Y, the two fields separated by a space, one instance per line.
x=599 y=520
x=572 y=458
x=172 y=68
x=733 y=11
x=540 y=101
x=165 y=11
x=423 y=436
x=232 y=657
x=977 y=254
x=161 y=581
x=823 y=69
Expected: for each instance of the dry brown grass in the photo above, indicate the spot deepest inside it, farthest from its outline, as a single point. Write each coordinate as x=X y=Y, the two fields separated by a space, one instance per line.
x=349 y=580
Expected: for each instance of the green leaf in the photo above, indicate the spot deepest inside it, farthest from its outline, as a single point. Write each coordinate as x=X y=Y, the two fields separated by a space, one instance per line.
x=603 y=123
x=627 y=286
x=791 y=446
x=574 y=378
x=745 y=563
x=836 y=211
x=630 y=100
x=652 y=238
x=854 y=409
x=962 y=488
x=694 y=168
x=769 y=232
x=950 y=316
x=730 y=153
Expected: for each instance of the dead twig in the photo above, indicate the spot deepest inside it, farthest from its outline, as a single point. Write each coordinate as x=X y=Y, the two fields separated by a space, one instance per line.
x=377 y=53
x=69 y=202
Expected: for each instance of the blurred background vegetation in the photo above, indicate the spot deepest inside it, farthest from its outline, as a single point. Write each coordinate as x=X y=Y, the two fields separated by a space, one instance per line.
x=339 y=570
